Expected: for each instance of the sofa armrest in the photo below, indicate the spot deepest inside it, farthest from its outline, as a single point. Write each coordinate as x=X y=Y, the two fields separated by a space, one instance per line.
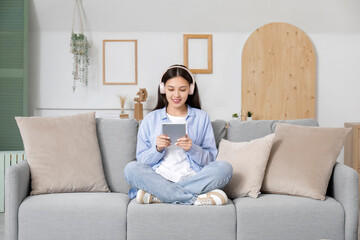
x=17 y=188
x=344 y=187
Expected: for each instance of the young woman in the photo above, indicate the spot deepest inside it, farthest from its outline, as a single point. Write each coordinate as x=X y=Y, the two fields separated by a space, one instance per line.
x=183 y=172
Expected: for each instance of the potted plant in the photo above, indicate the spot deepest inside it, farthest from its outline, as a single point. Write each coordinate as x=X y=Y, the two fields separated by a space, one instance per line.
x=79 y=47
x=235 y=116
x=249 y=115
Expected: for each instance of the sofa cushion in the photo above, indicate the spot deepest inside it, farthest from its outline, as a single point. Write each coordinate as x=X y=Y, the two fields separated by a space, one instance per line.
x=248 y=160
x=302 y=159
x=219 y=128
x=117 y=140
x=171 y=221
x=63 y=153
x=89 y=216
x=283 y=217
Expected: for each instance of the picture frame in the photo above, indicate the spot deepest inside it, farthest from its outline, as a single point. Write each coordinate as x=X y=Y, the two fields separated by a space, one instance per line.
x=120 y=62
x=198 y=53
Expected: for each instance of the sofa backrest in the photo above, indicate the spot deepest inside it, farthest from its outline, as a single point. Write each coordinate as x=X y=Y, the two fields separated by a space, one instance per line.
x=219 y=128
x=244 y=131
x=117 y=141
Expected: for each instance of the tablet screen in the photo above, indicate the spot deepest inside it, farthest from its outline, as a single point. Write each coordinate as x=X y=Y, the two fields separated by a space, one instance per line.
x=174 y=131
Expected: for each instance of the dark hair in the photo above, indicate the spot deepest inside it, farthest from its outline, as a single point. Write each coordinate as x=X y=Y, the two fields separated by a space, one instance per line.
x=192 y=100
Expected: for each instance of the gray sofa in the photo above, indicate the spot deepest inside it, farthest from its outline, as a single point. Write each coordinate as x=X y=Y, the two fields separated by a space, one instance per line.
x=113 y=216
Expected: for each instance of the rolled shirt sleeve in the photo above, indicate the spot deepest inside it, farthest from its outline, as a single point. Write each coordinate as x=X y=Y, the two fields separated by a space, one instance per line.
x=204 y=151
x=146 y=152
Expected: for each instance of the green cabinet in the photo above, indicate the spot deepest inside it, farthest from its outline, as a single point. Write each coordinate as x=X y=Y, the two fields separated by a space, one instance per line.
x=13 y=70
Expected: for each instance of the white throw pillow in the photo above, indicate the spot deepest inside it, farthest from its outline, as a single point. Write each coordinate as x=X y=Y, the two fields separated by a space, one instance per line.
x=248 y=160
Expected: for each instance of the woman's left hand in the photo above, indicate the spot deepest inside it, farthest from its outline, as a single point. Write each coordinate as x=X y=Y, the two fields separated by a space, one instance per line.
x=185 y=143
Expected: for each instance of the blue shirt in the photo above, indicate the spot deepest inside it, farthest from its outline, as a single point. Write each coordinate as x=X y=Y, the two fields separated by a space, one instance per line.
x=199 y=129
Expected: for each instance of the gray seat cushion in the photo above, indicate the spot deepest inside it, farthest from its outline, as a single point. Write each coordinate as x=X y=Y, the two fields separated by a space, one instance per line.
x=117 y=141
x=170 y=221
x=283 y=217
x=69 y=216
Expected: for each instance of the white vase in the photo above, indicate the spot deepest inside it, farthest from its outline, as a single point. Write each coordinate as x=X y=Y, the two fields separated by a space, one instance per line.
x=249 y=118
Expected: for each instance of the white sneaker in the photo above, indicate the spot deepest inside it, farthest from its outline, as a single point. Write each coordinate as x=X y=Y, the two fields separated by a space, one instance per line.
x=214 y=197
x=143 y=197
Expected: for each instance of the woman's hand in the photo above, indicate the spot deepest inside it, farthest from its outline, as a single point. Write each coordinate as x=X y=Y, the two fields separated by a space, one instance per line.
x=162 y=141
x=185 y=143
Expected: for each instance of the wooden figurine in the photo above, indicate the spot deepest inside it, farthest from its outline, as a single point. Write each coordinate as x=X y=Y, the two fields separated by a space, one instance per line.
x=138 y=111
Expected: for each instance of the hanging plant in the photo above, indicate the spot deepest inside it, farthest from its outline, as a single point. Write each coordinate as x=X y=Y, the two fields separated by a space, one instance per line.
x=79 y=47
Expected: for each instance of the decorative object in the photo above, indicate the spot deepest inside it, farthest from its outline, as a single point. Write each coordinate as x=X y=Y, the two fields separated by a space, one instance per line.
x=235 y=116
x=302 y=160
x=248 y=160
x=63 y=154
x=138 y=111
x=249 y=115
x=122 y=102
x=120 y=62
x=198 y=52
x=79 y=47
x=278 y=70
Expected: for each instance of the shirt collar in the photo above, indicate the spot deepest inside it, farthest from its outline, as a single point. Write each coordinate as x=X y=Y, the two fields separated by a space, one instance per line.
x=190 y=112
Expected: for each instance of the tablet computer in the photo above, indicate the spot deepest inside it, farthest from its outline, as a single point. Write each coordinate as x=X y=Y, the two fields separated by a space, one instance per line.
x=174 y=131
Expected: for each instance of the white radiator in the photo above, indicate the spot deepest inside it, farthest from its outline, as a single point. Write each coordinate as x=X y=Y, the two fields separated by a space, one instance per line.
x=7 y=159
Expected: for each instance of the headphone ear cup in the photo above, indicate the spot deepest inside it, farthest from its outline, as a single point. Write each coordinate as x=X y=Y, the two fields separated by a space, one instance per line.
x=192 y=88
x=162 y=88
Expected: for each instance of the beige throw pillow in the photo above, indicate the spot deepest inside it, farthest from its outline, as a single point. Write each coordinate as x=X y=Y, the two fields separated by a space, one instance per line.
x=248 y=160
x=302 y=159
x=63 y=154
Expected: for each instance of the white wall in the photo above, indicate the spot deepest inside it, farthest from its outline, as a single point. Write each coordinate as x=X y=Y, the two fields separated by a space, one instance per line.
x=50 y=76
x=159 y=32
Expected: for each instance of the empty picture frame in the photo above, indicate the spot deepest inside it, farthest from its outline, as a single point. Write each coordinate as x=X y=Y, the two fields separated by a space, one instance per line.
x=198 y=52
x=119 y=62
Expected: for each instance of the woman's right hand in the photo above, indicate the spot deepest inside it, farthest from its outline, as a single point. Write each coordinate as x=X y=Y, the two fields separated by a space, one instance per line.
x=162 y=141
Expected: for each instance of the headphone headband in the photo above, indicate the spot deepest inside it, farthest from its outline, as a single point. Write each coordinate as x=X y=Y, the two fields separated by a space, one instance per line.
x=179 y=66
x=192 y=85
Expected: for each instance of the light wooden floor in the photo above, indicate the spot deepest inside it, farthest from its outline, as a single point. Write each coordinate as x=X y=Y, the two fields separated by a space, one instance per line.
x=2 y=227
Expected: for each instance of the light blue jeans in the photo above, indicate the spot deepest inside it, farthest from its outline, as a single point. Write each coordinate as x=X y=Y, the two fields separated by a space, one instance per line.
x=213 y=176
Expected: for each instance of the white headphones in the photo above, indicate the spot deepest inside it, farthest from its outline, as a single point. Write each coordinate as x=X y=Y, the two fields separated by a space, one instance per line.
x=192 y=85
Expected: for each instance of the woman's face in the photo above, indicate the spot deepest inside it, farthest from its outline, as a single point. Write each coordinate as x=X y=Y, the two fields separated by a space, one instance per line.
x=177 y=91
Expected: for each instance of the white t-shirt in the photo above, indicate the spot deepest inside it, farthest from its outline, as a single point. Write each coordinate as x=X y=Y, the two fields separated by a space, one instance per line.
x=175 y=164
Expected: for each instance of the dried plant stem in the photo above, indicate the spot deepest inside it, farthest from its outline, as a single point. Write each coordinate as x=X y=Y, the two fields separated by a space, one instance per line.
x=122 y=101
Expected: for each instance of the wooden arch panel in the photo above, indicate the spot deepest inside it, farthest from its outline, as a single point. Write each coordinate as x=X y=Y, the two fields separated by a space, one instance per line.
x=278 y=73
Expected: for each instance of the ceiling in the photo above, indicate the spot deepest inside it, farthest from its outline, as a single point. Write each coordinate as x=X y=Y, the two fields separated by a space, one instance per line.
x=320 y=16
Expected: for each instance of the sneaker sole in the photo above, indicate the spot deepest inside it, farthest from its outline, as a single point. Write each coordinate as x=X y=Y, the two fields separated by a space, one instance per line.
x=140 y=197
x=219 y=195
